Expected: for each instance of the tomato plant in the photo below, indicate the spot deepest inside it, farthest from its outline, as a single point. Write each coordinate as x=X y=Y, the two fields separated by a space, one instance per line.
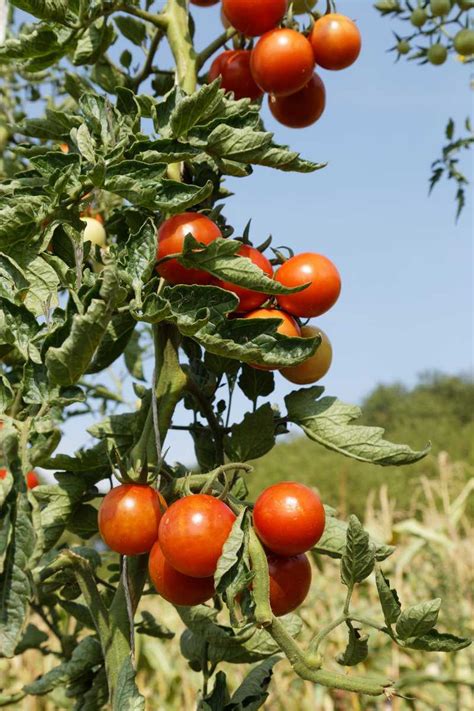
x=336 y=41
x=129 y=517
x=282 y=62
x=301 y=109
x=193 y=532
x=233 y=66
x=289 y=518
x=323 y=279
x=104 y=138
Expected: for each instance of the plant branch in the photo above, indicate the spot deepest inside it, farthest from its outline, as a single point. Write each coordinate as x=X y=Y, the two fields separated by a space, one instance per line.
x=158 y=20
x=219 y=42
x=147 y=68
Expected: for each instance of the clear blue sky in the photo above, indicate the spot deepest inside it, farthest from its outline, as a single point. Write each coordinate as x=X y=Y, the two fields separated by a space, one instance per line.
x=407 y=269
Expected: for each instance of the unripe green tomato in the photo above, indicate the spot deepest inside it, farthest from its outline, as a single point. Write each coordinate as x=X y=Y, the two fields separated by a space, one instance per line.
x=437 y=54
x=464 y=42
x=440 y=7
x=302 y=6
x=94 y=231
x=403 y=47
x=418 y=17
x=466 y=4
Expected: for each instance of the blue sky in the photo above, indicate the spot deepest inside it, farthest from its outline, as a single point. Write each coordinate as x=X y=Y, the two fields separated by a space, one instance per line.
x=407 y=268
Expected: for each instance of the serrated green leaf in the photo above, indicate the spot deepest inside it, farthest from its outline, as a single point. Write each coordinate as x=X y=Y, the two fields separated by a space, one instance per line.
x=357 y=649
x=134 y=30
x=328 y=422
x=114 y=341
x=230 y=552
x=256 y=383
x=85 y=142
x=58 y=504
x=358 y=559
x=127 y=697
x=253 y=691
x=253 y=437
x=389 y=600
x=86 y=655
x=94 y=42
x=434 y=641
x=191 y=110
x=333 y=541
x=56 y=10
x=418 y=620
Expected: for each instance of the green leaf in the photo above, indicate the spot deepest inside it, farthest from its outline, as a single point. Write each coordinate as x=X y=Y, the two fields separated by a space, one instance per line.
x=328 y=422
x=388 y=598
x=113 y=343
x=357 y=649
x=56 y=10
x=149 y=626
x=15 y=585
x=163 y=150
x=256 y=383
x=43 y=288
x=132 y=29
x=333 y=540
x=85 y=142
x=56 y=125
x=127 y=697
x=84 y=523
x=37 y=43
x=18 y=328
x=358 y=559
x=230 y=553
x=253 y=691
x=253 y=437
x=13 y=282
x=32 y=638
x=86 y=655
x=58 y=505
x=418 y=620
x=220 y=259
x=434 y=641
x=94 y=42
x=191 y=110
x=133 y=356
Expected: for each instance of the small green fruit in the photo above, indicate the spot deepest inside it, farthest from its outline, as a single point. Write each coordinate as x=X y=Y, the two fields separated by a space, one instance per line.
x=466 y=4
x=418 y=17
x=440 y=7
x=437 y=54
x=464 y=42
x=403 y=47
x=3 y=137
x=302 y=6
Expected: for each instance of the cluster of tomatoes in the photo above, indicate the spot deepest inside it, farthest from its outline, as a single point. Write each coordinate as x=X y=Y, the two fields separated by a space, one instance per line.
x=283 y=61
x=32 y=479
x=322 y=292
x=185 y=541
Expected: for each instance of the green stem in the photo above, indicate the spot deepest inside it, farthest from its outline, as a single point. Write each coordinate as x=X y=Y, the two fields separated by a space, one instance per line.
x=145 y=72
x=158 y=20
x=181 y=44
x=231 y=467
x=261 y=581
x=208 y=51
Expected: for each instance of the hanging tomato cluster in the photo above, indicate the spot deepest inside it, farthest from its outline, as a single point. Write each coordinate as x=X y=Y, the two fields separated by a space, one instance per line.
x=186 y=540
x=315 y=270
x=282 y=63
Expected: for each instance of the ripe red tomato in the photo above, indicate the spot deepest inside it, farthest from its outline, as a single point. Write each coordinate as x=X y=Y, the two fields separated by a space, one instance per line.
x=290 y=580
x=288 y=327
x=323 y=291
x=204 y=3
x=289 y=518
x=248 y=299
x=316 y=366
x=32 y=479
x=175 y=587
x=282 y=62
x=254 y=18
x=171 y=236
x=233 y=66
x=193 y=532
x=336 y=41
x=301 y=109
x=129 y=517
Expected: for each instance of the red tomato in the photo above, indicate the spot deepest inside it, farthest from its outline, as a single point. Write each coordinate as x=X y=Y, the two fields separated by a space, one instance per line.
x=32 y=480
x=289 y=518
x=288 y=327
x=175 y=587
x=249 y=299
x=233 y=66
x=253 y=18
x=129 y=516
x=171 y=236
x=301 y=109
x=282 y=62
x=316 y=366
x=336 y=41
x=204 y=3
x=193 y=532
x=323 y=291
x=290 y=580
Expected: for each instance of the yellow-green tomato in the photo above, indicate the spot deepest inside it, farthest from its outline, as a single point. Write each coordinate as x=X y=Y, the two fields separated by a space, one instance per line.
x=418 y=17
x=302 y=6
x=3 y=137
x=464 y=42
x=437 y=54
x=315 y=367
x=440 y=7
x=466 y=4
x=94 y=231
